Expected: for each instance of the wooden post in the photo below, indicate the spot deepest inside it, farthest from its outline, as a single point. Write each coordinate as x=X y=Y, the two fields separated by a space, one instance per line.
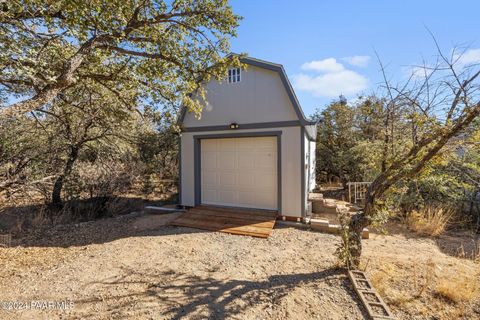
x=349 y=192
x=355 y=193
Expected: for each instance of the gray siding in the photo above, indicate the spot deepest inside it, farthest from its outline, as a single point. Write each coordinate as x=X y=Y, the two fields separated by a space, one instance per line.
x=258 y=98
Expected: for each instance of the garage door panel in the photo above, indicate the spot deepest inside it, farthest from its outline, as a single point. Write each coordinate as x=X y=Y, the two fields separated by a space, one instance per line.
x=209 y=160
x=240 y=172
x=264 y=160
x=256 y=144
x=246 y=180
x=209 y=145
x=209 y=195
x=226 y=179
x=265 y=181
x=227 y=197
x=244 y=144
x=246 y=160
x=246 y=198
x=225 y=160
x=209 y=178
x=265 y=144
x=226 y=144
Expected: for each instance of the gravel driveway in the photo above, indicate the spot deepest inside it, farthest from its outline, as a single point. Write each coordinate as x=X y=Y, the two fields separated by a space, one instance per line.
x=136 y=267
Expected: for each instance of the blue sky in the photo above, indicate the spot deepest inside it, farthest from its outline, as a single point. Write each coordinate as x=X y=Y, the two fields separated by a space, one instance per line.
x=329 y=47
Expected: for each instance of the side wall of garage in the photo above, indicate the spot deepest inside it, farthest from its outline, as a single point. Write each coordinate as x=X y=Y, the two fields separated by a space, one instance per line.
x=291 y=164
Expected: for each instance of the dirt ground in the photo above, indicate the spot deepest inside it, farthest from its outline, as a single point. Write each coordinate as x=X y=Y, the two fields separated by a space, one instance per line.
x=128 y=267
x=135 y=267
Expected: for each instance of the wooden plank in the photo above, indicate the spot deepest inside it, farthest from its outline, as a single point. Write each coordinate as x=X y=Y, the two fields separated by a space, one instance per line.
x=228 y=215
x=233 y=214
x=208 y=225
x=233 y=221
x=220 y=224
x=223 y=224
x=246 y=212
x=256 y=223
x=239 y=231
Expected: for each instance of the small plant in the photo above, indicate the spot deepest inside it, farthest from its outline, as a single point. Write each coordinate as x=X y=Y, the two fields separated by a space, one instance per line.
x=422 y=283
x=380 y=278
x=475 y=252
x=343 y=251
x=148 y=186
x=472 y=253
x=429 y=221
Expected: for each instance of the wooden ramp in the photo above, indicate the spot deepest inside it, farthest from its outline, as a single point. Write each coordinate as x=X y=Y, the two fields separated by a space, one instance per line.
x=248 y=222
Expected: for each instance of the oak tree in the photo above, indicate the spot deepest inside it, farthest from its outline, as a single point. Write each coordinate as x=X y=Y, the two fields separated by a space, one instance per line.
x=158 y=50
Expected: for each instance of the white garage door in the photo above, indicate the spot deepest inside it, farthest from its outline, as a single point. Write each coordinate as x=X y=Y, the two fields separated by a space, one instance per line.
x=240 y=172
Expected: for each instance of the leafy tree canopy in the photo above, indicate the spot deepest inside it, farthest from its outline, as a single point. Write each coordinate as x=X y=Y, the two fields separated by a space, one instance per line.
x=145 y=52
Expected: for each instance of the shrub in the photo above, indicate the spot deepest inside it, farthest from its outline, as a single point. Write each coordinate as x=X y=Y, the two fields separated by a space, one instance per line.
x=98 y=180
x=430 y=220
x=343 y=251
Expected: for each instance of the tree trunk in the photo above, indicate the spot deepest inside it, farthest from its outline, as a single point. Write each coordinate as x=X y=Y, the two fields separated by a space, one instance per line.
x=356 y=225
x=58 y=186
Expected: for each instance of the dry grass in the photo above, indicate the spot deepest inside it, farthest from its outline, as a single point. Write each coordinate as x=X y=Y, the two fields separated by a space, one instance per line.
x=422 y=290
x=475 y=256
x=429 y=221
x=459 y=288
x=388 y=274
x=426 y=278
x=472 y=253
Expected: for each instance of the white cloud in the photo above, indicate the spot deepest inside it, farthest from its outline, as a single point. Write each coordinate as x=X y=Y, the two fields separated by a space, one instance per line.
x=325 y=65
x=334 y=79
x=357 y=61
x=333 y=84
x=469 y=57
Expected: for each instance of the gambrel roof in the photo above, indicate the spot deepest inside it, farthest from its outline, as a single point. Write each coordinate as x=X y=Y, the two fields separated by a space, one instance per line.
x=278 y=68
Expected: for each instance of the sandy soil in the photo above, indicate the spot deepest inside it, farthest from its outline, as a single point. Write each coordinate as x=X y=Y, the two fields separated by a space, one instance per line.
x=134 y=267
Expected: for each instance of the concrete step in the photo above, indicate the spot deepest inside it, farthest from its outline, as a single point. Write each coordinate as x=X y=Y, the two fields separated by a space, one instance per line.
x=319 y=224
x=319 y=206
x=331 y=205
x=315 y=196
x=324 y=225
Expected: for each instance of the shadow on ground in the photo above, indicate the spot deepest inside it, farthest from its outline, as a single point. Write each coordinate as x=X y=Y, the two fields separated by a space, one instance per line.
x=104 y=231
x=79 y=222
x=18 y=218
x=175 y=295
